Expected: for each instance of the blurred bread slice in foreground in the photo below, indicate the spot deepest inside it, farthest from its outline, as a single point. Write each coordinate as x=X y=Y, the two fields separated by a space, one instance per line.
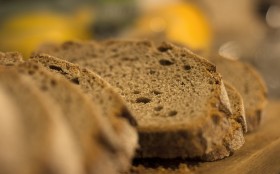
x=111 y=105
x=96 y=142
x=43 y=132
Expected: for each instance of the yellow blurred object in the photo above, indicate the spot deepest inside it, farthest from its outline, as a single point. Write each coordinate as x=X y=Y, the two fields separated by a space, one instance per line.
x=183 y=23
x=25 y=32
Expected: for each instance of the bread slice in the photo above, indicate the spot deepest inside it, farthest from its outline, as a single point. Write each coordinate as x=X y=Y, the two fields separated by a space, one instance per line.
x=112 y=106
x=11 y=144
x=238 y=121
x=126 y=134
x=249 y=84
x=10 y=58
x=41 y=128
x=177 y=166
x=237 y=105
x=98 y=143
x=178 y=99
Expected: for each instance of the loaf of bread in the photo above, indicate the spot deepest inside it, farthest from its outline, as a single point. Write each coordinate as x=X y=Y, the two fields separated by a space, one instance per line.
x=80 y=107
x=178 y=98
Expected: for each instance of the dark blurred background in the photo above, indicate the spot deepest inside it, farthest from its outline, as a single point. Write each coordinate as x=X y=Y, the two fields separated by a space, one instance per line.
x=248 y=30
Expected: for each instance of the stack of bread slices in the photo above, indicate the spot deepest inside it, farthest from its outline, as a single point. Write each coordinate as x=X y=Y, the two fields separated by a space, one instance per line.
x=87 y=107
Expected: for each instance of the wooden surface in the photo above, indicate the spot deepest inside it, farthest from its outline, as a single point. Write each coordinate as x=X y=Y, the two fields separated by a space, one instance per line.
x=259 y=155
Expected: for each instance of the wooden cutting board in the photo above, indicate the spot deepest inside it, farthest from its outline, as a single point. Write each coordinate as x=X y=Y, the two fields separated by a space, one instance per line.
x=259 y=155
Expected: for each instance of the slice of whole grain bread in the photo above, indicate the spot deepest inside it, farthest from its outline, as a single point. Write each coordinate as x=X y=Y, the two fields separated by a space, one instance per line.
x=249 y=84
x=238 y=122
x=126 y=135
x=237 y=105
x=177 y=166
x=11 y=144
x=178 y=98
x=97 y=142
x=112 y=106
x=42 y=129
